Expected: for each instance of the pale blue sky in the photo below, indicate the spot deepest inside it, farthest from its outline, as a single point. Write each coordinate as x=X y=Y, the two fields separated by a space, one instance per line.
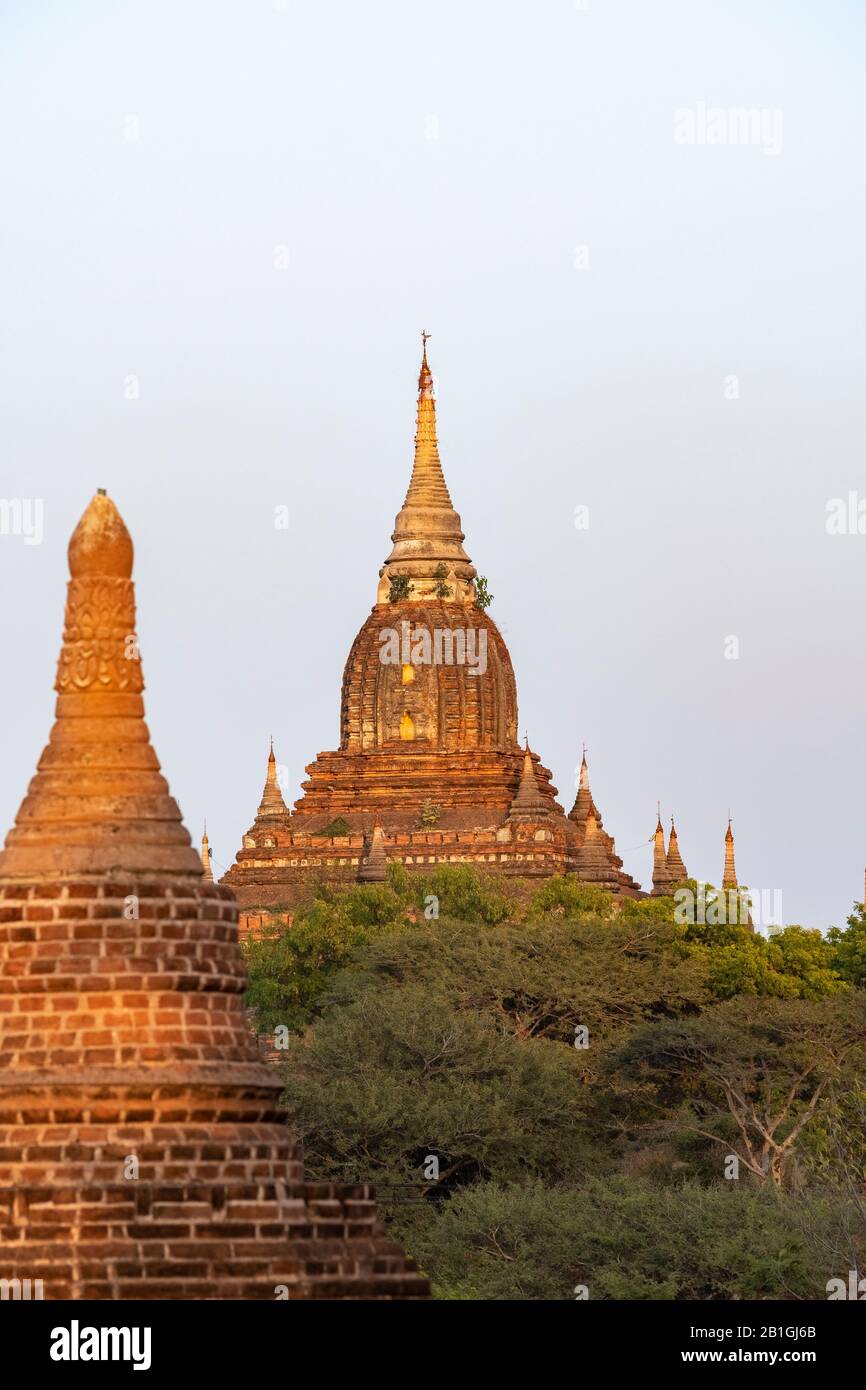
x=309 y=127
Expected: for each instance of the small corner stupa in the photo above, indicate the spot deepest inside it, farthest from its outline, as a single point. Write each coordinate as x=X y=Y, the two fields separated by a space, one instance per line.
x=142 y=1149
x=738 y=901
x=677 y=872
x=206 y=856
x=428 y=718
x=662 y=886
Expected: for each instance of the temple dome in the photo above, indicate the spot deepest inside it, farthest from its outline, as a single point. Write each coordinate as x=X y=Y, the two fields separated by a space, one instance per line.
x=466 y=704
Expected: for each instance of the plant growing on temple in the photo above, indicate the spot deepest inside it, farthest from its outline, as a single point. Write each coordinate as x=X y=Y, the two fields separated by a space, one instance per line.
x=337 y=827
x=401 y=588
x=440 y=574
x=429 y=815
x=483 y=596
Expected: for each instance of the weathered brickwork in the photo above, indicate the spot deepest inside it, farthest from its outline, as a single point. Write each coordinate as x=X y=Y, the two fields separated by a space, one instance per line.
x=142 y=1149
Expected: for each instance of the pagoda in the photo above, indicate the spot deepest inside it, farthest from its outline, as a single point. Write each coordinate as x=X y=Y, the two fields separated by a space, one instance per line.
x=142 y=1149
x=429 y=769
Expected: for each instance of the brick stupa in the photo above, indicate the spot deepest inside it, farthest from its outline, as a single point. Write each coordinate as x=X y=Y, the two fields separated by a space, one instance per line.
x=142 y=1153
x=428 y=719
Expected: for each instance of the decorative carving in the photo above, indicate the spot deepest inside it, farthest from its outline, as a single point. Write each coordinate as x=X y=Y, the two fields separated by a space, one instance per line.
x=100 y=647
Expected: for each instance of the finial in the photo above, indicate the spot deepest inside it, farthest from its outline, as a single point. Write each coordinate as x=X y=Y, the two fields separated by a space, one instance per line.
x=425 y=337
x=100 y=545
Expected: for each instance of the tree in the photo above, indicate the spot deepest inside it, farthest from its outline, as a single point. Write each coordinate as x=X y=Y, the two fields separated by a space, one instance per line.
x=291 y=967
x=849 y=948
x=620 y=1239
x=566 y=896
x=792 y=964
x=389 y=1077
x=747 y=1077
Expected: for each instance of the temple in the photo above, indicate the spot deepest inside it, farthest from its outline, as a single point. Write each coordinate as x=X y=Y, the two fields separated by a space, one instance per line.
x=429 y=769
x=142 y=1153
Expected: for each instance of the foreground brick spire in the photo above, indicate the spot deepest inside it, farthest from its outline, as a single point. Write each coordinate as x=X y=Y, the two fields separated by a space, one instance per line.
x=141 y=1149
x=98 y=784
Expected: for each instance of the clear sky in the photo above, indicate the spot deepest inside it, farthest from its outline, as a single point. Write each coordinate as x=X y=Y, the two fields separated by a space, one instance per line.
x=224 y=226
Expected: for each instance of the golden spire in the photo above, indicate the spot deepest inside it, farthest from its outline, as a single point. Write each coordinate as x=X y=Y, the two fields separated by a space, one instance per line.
x=205 y=855
x=98 y=801
x=272 y=803
x=661 y=876
x=729 y=878
x=583 y=783
x=676 y=868
x=428 y=540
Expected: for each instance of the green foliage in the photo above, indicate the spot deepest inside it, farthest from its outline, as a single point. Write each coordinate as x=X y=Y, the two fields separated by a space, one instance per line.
x=563 y=896
x=559 y=1165
x=391 y=1075
x=429 y=814
x=401 y=588
x=336 y=827
x=457 y=1039
x=746 y=1076
x=483 y=596
x=463 y=892
x=791 y=964
x=621 y=1240
x=849 y=948
x=647 y=912
x=291 y=969
x=440 y=574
